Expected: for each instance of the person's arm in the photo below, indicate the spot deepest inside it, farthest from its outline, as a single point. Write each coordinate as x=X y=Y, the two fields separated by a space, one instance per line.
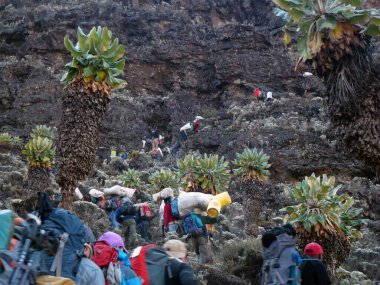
x=186 y=275
x=321 y=274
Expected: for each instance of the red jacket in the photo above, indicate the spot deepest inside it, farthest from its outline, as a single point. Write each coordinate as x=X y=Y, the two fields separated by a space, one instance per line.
x=168 y=215
x=257 y=93
x=196 y=126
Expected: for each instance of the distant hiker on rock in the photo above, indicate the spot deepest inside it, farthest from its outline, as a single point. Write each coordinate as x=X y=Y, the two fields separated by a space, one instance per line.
x=306 y=82
x=170 y=222
x=126 y=215
x=269 y=96
x=257 y=94
x=193 y=126
x=313 y=270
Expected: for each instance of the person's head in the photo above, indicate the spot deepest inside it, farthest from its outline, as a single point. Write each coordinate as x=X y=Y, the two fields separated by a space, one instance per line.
x=113 y=240
x=167 y=200
x=313 y=250
x=176 y=248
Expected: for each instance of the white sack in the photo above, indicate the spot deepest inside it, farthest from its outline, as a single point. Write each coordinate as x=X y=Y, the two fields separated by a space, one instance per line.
x=185 y=127
x=164 y=193
x=96 y=193
x=162 y=207
x=78 y=194
x=188 y=201
x=120 y=191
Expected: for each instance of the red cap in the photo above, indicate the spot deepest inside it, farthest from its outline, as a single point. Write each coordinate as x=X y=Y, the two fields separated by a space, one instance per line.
x=313 y=248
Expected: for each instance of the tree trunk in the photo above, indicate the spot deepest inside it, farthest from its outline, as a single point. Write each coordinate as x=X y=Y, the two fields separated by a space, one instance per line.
x=78 y=136
x=252 y=205
x=38 y=181
x=336 y=247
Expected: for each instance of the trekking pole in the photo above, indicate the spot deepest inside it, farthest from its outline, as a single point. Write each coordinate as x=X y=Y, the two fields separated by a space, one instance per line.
x=20 y=266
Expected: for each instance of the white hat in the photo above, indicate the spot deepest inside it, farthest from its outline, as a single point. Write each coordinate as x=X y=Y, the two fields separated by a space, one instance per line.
x=175 y=248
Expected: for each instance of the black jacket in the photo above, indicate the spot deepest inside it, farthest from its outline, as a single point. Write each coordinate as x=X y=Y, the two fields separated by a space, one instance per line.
x=182 y=273
x=314 y=273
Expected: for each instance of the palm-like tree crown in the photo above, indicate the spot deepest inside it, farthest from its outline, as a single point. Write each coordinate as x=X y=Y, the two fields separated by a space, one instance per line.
x=321 y=209
x=163 y=179
x=327 y=24
x=39 y=152
x=42 y=131
x=252 y=165
x=97 y=59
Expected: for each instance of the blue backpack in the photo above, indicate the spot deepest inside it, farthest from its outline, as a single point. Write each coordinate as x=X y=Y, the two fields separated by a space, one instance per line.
x=192 y=225
x=58 y=223
x=174 y=207
x=282 y=262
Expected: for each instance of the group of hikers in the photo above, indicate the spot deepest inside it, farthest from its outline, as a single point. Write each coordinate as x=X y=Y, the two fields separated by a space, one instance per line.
x=53 y=246
x=154 y=143
x=263 y=95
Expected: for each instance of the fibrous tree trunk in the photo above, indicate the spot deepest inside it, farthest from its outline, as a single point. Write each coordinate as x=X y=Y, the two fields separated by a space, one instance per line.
x=252 y=205
x=336 y=246
x=78 y=136
x=38 y=181
x=353 y=87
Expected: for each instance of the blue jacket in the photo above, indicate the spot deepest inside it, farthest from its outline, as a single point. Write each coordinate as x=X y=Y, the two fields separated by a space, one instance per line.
x=129 y=276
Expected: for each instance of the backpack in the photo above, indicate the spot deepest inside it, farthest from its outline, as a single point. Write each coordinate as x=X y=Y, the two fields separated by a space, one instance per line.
x=128 y=209
x=192 y=225
x=174 y=207
x=281 y=264
x=63 y=225
x=145 y=212
x=106 y=258
x=151 y=264
x=112 y=204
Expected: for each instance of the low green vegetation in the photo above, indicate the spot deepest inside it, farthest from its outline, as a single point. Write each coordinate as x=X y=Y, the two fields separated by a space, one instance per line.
x=324 y=216
x=208 y=174
x=163 y=179
x=10 y=141
x=131 y=178
x=42 y=131
x=39 y=152
x=252 y=165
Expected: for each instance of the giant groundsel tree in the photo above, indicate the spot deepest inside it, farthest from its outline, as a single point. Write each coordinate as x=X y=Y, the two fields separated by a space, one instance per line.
x=89 y=79
x=334 y=37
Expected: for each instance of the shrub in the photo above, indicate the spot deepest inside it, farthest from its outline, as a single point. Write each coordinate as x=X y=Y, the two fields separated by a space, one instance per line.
x=252 y=165
x=39 y=152
x=42 y=131
x=8 y=140
x=163 y=179
x=324 y=216
x=130 y=178
x=208 y=174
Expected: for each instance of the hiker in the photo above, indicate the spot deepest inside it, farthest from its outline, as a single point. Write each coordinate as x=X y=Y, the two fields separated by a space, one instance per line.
x=165 y=265
x=170 y=222
x=111 y=256
x=126 y=215
x=183 y=273
x=194 y=226
x=306 y=83
x=269 y=96
x=88 y=272
x=256 y=94
x=124 y=156
x=281 y=260
x=147 y=144
x=143 y=217
x=313 y=270
x=194 y=126
x=111 y=205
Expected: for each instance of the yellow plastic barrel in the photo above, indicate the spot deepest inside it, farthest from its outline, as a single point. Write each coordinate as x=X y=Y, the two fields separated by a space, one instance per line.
x=219 y=201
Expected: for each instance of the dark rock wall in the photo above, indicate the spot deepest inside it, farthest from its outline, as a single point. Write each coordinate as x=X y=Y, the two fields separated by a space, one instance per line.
x=184 y=57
